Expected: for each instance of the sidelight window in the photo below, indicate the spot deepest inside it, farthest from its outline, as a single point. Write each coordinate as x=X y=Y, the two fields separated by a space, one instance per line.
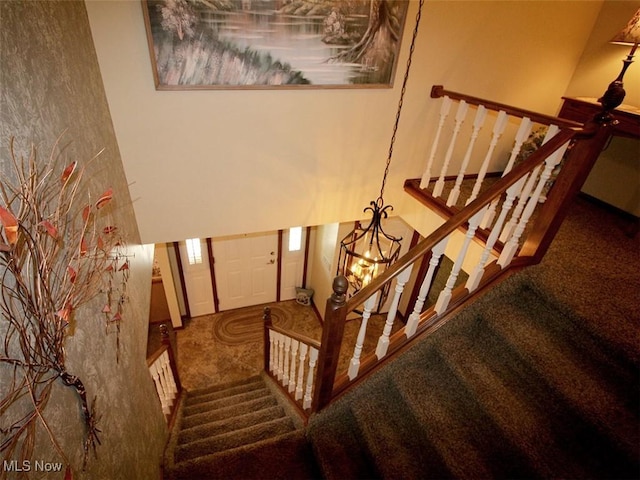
x=194 y=251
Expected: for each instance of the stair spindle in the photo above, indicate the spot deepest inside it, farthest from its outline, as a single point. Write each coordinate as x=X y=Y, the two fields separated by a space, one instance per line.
x=383 y=341
x=354 y=365
x=512 y=245
x=444 y=112
x=474 y=279
x=292 y=373
x=301 y=367
x=445 y=295
x=523 y=133
x=498 y=129
x=481 y=115
x=434 y=261
x=313 y=358
x=461 y=113
x=526 y=191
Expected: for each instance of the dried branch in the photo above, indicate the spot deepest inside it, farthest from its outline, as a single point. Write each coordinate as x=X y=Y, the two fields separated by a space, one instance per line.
x=57 y=252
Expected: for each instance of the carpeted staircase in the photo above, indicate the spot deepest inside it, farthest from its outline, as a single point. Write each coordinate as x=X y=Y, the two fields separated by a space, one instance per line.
x=514 y=387
x=232 y=430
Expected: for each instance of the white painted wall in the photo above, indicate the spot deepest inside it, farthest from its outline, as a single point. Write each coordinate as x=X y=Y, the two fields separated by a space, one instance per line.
x=213 y=163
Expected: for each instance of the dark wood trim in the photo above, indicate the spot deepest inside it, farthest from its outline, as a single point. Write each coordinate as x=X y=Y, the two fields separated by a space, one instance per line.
x=212 y=270
x=439 y=206
x=438 y=91
x=306 y=257
x=267 y=323
x=578 y=163
x=279 y=271
x=584 y=109
x=183 y=284
x=296 y=336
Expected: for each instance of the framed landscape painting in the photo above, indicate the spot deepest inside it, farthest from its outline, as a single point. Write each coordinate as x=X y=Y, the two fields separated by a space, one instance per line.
x=214 y=44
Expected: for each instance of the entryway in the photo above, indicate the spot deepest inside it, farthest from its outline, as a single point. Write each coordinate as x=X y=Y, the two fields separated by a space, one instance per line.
x=237 y=271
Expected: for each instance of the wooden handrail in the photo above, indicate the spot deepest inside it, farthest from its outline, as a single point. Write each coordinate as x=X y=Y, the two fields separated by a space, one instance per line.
x=586 y=143
x=296 y=336
x=438 y=91
x=156 y=355
x=460 y=218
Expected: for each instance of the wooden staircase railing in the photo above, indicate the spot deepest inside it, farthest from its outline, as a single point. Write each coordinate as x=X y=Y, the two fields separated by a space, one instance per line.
x=290 y=359
x=512 y=218
x=164 y=372
x=517 y=221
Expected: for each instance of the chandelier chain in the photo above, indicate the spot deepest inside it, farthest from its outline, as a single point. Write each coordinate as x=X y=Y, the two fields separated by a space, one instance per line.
x=400 y=102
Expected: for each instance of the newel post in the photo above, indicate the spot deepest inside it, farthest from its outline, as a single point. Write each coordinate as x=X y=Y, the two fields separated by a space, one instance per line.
x=164 y=336
x=266 y=318
x=332 y=332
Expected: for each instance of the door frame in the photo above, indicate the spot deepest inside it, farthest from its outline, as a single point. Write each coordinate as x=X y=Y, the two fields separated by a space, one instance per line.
x=211 y=261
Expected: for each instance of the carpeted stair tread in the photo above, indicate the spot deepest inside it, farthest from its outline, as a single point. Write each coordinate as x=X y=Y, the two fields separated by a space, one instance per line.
x=286 y=457
x=228 y=412
x=398 y=443
x=253 y=380
x=526 y=411
x=195 y=399
x=234 y=439
x=599 y=392
x=464 y=435
x=235 y=399
x=336 y=441
x=225 y=426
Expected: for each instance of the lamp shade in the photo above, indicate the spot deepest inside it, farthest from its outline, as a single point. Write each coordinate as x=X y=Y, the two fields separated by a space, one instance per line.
x=630 y=34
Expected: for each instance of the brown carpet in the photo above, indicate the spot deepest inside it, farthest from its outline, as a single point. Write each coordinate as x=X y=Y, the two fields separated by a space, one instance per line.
x=246 y=325
x=208 y=354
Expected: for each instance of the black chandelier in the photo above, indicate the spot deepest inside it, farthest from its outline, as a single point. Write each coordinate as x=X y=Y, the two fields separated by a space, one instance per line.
x=368 y=251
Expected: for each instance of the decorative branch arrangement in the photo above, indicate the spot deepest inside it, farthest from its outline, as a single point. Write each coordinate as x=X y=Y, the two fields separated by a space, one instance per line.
x=58 y=250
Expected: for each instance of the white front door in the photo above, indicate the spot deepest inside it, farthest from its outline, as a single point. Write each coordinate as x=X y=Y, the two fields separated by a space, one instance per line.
x=197 y=277
x=246 y=269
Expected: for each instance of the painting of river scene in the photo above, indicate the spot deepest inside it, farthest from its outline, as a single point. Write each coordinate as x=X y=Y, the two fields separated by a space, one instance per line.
x=209 y=44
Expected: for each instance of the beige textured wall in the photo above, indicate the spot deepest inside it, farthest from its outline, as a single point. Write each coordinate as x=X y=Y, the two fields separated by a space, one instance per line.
x=213 y=163
x=50 y=82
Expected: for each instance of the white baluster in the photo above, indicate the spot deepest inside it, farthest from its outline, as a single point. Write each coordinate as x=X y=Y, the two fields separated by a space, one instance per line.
x=354 y=365
x=474 y=279
x=168 y=374
x=461 y=113
x=445 y=295
x=301 y=364
x=523 y=133
x=481 y=115
x=444 y=112
x=498 y=129
x=155 y=374
x=164 y=381
x=292 y=373
x=285 y=366
x=272 y=351
x=526 y=191
x=521 y=136
x=509 y=250
x=434 y=261
x=313 y=358
x=383 y=341
x=280 y=357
